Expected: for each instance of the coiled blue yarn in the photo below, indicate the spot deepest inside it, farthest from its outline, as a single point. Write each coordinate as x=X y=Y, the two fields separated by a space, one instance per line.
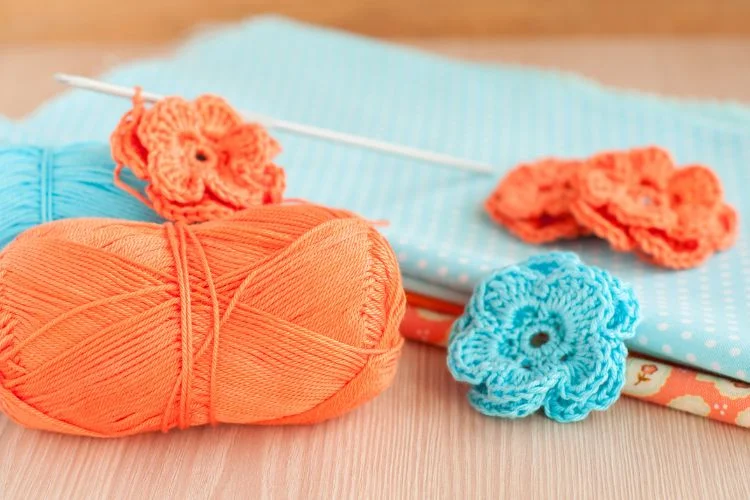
x=40 y=184
x=546 y=333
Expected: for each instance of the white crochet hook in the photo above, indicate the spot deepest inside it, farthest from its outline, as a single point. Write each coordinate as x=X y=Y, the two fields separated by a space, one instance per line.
x=297 y=128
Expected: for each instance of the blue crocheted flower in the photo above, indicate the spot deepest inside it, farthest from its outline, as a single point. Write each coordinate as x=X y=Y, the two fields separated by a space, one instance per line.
x=545 y=333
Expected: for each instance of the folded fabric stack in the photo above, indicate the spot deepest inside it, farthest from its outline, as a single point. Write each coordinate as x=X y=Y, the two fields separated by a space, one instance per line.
x=502 y=115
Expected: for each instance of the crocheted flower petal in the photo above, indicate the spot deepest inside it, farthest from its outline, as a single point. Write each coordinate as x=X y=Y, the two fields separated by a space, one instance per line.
x=245 y=176
x=470 y=353
x=126 y=146
x=517 y=194
x=601 y=222
x=544 y=229
x=249 y=149
x=581 y=298
x=512 y=392
x=532 y=201
x=601 y=178
x=695 y=185
x=494 y=297
x=217 y=117
x=726 y=233
x=170 y=123
x=593 y=384
x=651 y=166
x=172 y=177
x=275 y=184
x=671 y=251
x=547 y=263
x=626 y=311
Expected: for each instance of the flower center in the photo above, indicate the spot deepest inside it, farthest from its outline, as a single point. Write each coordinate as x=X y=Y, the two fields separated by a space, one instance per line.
x=539 y=339
x=201 y=156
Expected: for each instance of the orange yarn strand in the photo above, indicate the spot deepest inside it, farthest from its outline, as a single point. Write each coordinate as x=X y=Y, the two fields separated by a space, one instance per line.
x=276 y=315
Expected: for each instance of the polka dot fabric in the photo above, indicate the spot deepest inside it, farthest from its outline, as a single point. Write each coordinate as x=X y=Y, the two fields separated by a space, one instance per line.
x=502 y=115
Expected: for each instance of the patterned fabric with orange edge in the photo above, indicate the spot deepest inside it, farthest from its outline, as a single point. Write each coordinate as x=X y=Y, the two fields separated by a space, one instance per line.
x=533 y=201
x=200 y=160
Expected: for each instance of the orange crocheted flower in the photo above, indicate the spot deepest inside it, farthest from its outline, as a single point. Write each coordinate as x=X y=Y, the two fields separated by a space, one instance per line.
x=618 y=190
x=533 y=201
x=201 y=161
x=637 y=200
x=702 y=224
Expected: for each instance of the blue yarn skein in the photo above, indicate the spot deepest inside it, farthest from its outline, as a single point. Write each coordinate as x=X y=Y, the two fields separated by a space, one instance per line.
x=40 y=185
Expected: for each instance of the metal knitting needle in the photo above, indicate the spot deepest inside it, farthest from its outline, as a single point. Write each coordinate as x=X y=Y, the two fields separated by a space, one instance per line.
x=298 y=128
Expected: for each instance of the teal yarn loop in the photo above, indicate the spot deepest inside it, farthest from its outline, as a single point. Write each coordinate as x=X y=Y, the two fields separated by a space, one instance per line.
x=40 y=184
x=547 y=333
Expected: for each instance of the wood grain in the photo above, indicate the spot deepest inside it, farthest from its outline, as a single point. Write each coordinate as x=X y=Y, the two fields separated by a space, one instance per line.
x=99 y=20
x=420 y=439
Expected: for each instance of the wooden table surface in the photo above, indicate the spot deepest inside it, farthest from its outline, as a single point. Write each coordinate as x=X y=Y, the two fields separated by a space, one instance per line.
x=420 y=439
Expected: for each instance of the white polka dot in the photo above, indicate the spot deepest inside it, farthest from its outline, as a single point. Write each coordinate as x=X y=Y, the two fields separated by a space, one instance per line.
x=404 y=241
x=667 y=348
x=484 y=267
x=443 y=254
x=642 y=340
x=691 y=357
x=463 y=260
x=710 y=329
x=662 y=326
x=715 y=366
x=734 y=337
x=422 y=264
x=735 y=351
x=741 y=374
x=686 y=321
x=686 y=335
x=710 y=343
x=442 y=271
x=463 y=278
x=423 y=247
x=402 y=257
x=716 y=406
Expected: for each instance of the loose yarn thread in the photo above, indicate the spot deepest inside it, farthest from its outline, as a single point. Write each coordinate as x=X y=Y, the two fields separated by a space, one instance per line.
x=277 y=315
x=43 y=184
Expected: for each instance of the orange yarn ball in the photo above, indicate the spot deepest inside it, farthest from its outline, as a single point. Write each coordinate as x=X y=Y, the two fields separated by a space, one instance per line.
x=276 y=315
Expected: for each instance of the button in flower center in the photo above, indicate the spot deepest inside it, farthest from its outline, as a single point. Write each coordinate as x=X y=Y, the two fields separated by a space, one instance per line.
x=539 y=339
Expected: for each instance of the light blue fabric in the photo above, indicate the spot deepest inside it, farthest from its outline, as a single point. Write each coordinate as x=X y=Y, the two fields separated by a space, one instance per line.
x=545 y=333
x=497 y=114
